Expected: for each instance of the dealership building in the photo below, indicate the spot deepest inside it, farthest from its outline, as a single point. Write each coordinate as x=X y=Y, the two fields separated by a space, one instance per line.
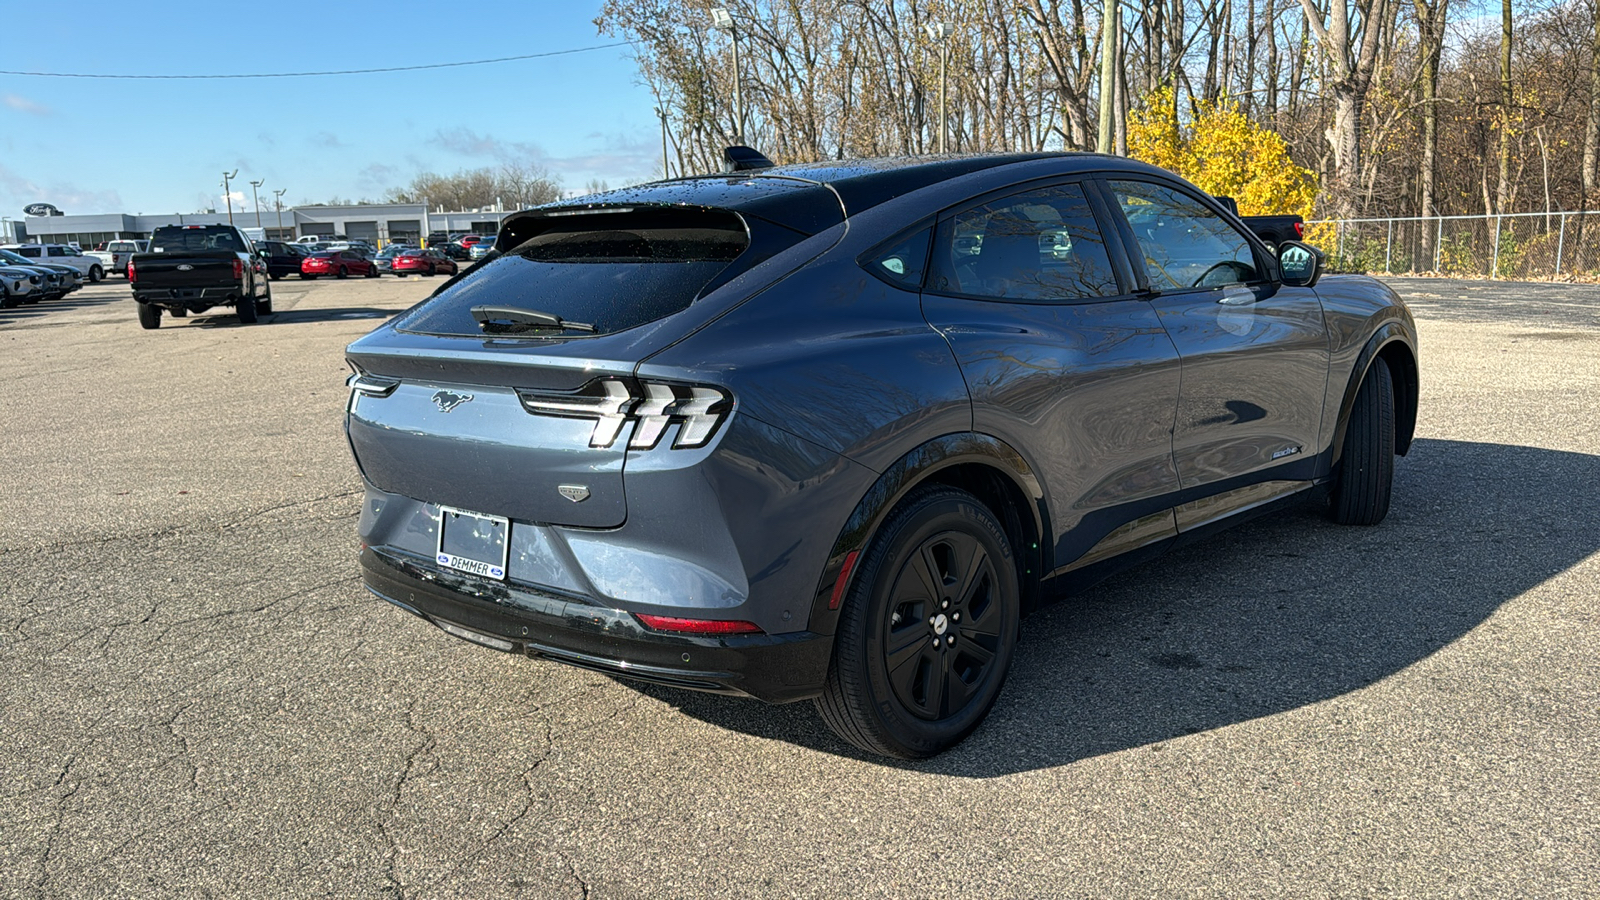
x=375 y=223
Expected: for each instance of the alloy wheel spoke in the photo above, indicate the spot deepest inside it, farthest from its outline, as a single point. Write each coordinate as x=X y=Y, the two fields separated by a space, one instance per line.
x=974 y=562
x=938 y=676
x=907 y=644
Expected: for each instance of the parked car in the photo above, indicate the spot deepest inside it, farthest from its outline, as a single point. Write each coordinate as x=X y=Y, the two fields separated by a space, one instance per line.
x=338 y=263
x=193 y=268
x=384 y=258
x=424 y=262
x=901 y=401
x=467 y=240
x=481 y=249
x=19 y=285
x=280 y=258
x=62 y=254
x=454 y=250
x=59 y=281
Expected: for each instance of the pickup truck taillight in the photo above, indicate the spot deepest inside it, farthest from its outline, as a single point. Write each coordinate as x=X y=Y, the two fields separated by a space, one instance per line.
x=1300 y=229
x=238 y=269
x=133 y=275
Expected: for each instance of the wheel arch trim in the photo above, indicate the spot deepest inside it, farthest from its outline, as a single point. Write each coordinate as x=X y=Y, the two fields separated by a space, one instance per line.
x=919 y=466
x=1395 y=343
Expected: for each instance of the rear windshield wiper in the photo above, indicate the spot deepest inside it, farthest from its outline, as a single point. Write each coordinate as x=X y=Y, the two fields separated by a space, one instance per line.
x=515 y=320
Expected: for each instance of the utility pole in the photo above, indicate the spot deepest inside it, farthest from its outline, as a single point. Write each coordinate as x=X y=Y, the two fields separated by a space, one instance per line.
x=1108 y=73
x=662 y=115
x=940 y=33
x=722 y=20
x=227 y=195
x=277 y=200
x=256 y=200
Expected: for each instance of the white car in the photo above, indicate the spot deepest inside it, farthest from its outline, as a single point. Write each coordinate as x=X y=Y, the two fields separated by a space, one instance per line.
x=16 y=284
x=62 y=255
x=117 y=253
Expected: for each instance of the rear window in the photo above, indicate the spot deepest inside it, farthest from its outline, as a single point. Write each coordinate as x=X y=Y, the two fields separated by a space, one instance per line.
x=121 y=246
x=190 y=238
x=613 y=271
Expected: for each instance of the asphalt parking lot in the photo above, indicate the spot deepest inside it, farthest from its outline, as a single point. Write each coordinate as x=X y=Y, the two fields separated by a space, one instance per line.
x=200 y=699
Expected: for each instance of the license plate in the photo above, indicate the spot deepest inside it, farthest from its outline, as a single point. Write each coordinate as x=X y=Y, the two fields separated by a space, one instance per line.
x=473 y=542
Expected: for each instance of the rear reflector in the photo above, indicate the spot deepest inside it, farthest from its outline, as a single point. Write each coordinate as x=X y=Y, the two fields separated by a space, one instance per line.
x=698 y=626
x=844 y=579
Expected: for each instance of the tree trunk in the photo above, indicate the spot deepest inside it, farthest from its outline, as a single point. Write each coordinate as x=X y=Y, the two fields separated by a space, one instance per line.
x=1430 y=24
x=1591 y=133
x=1502 y=194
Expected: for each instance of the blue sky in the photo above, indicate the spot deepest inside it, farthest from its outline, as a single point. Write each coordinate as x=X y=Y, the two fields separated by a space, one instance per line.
x=100 y=146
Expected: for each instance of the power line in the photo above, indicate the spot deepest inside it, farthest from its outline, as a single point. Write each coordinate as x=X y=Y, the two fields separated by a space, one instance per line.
x=448 y=65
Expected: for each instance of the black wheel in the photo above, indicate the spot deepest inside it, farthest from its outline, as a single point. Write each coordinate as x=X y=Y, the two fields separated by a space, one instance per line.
x=246 y=310
x=927 y=628
x=7 y=301
x=264 y=304
x=372 y=272
x=96 y=273
x=149 y=316
x=1366 y=468
x=343 y=272
x=431 y=271
x=274 y=277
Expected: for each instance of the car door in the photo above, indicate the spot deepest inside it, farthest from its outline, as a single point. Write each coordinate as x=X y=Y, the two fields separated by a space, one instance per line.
x=1062 y=360
x=1255 y=351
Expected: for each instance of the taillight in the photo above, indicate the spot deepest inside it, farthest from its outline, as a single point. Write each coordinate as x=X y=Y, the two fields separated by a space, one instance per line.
x=698 y=626
x=238 y=268
x=1300 y=229
x=611 y=402
x=133 y=274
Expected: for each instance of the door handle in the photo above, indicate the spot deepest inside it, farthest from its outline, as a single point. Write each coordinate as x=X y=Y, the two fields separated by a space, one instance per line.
x=1237 y=297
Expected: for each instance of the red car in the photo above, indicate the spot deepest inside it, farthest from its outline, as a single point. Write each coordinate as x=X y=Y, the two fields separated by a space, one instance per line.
x=342 y=263
x=467 y=240
x=423 y=262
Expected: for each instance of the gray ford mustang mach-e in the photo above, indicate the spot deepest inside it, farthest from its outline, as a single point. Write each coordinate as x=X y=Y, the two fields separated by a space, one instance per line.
x=828 y=431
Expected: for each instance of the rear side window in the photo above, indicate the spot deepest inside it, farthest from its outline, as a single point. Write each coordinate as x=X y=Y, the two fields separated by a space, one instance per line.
x=613 y=271
x=1040 y=245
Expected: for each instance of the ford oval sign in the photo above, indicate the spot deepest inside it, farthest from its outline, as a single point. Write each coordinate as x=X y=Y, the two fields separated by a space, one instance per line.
x=41 y=209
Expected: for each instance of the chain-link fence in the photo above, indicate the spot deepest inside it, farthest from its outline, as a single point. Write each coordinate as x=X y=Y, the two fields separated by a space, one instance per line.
x=1518 y=246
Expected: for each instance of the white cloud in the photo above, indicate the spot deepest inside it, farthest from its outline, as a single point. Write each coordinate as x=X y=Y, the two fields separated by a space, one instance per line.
x=17 y=191
x=618 y=158
x=24 y=105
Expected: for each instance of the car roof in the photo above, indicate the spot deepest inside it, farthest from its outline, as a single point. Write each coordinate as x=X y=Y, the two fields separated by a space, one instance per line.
x=811 y=196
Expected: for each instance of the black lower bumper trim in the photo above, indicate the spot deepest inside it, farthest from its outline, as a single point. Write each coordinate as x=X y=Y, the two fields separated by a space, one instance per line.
x=777 y=668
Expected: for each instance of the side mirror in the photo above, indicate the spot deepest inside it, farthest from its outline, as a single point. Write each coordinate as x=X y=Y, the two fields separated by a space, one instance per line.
x=1299 y=264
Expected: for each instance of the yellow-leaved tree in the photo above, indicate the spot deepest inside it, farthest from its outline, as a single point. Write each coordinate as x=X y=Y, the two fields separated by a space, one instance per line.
x=1222 y=152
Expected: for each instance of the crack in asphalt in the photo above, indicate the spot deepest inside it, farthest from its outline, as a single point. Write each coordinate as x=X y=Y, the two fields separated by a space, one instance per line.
x=55 y=827
x=428 y=743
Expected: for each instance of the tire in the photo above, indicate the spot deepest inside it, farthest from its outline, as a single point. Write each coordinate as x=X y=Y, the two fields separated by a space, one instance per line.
x=149 y=316
x=274 y=277
x=7 y=301
x=1366 y=468
x=264 y=304
x=372 y=272
x=889 y=689
x=246 y=309
x=95 y=274
x=343 y=272
x=431 y=271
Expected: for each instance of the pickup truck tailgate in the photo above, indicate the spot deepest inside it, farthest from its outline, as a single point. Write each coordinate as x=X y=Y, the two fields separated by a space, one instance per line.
x=190 y=269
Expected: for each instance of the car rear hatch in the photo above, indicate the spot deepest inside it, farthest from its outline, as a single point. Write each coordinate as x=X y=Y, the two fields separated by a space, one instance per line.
x=511 y=391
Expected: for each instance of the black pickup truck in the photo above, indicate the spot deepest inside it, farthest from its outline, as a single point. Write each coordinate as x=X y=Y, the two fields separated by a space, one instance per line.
x=1272 y=229
x=191 y=268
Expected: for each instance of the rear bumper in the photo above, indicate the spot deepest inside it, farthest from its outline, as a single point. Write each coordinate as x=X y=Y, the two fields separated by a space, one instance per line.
x=186 y=298
x=547 y=625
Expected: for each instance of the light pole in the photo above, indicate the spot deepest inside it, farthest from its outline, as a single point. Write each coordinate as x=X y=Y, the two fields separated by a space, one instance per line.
x=255 y=200
x=662 y=115
x=722 y=20
x=1109 y=46
x=939 y=33
x=227 y=195
x=277 y=200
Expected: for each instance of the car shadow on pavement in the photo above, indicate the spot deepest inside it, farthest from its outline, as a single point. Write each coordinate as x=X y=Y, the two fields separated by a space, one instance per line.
x=225 y=317
x=1284 y=611
x=69 y=302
